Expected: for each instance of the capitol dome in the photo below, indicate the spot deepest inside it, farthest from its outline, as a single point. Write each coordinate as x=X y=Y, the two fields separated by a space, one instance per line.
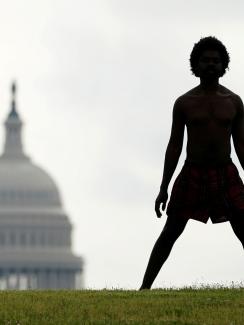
x=24 y=184
x=35 y=231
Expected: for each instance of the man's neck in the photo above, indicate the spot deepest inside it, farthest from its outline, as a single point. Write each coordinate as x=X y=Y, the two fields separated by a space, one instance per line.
x=209 y=86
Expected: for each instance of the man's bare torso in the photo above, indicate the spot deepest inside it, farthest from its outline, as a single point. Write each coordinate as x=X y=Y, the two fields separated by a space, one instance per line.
x=208 y=118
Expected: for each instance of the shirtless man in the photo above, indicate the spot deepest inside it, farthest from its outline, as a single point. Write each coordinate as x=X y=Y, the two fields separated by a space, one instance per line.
x=208 y=185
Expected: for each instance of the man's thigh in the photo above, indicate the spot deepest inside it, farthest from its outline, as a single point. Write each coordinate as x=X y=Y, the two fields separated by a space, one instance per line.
x=237 y=218
x=237 y=224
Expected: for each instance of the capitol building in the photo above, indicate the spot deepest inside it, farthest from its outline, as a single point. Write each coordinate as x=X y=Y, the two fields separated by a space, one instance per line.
x=35 y=231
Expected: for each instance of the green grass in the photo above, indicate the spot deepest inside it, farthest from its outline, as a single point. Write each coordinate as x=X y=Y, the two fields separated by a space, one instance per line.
x=189 y=306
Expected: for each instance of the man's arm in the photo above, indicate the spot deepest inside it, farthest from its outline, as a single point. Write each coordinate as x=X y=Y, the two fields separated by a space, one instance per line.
x=238 y=131
x=172 y=154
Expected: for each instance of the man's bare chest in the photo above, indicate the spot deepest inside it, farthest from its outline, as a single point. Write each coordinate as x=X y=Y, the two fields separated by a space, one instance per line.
x=210 y=111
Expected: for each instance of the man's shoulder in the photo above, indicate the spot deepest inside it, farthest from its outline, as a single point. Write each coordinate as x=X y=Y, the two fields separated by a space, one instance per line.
x=236 y=99
x=184 y=98
x=227 y=92
x=194 y=92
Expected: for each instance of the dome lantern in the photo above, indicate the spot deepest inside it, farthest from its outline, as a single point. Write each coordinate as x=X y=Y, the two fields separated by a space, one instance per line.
x=13 y=147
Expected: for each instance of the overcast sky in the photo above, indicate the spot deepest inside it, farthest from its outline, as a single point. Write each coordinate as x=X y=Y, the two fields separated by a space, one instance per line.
x=96 y=84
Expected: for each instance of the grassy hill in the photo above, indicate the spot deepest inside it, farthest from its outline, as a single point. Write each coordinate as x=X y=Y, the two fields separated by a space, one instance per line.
x=189 y=306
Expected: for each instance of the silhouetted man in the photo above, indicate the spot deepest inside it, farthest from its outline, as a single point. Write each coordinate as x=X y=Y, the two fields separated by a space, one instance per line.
x=209 y=184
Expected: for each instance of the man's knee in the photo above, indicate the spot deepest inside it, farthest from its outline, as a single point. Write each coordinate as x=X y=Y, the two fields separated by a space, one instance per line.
x=172 y=230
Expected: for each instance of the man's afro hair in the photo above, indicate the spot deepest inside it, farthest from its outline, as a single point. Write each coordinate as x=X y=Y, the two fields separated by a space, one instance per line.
x=208 y=43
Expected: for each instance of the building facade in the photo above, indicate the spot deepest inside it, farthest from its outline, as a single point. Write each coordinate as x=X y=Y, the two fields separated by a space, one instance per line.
x=35 y=231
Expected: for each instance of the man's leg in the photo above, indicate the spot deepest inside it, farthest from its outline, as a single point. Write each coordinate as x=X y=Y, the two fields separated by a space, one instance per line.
x=237 y=224
x=172 y=230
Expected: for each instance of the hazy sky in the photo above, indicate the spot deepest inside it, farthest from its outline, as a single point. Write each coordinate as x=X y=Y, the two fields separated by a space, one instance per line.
x=96 y=84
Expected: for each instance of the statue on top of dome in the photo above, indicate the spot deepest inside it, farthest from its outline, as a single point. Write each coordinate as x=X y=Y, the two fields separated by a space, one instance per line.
x=13 y=112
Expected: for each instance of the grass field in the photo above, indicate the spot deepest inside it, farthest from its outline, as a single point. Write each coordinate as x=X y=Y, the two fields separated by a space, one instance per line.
x=189 y=306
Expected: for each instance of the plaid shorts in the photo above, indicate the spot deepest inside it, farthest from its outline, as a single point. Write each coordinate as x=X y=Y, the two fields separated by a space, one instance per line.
x=202 y=192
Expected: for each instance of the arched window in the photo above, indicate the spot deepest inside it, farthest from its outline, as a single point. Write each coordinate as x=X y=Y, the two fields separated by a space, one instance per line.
x=23 y=239
x=2 y=239
x=32 y=239
x=12 y=239
x=42 y=239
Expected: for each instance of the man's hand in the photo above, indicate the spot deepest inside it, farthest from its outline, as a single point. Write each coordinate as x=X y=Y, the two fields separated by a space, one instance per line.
x=161 y=199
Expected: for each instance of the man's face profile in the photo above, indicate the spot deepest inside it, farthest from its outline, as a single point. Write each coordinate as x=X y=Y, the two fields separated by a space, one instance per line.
x=210 y=65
